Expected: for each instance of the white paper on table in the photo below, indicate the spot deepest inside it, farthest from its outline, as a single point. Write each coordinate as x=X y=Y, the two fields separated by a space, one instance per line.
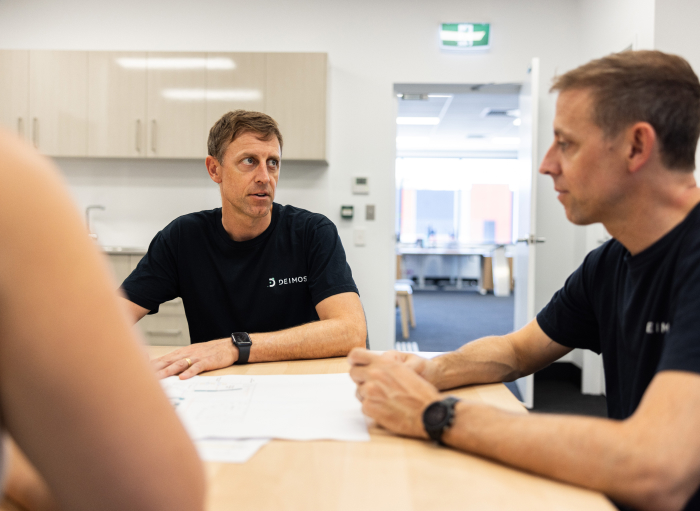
x=292 y=407
x=177 y=389
x=229 y=451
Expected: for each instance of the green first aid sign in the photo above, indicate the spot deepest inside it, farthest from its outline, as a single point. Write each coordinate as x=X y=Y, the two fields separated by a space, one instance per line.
x=465 y=36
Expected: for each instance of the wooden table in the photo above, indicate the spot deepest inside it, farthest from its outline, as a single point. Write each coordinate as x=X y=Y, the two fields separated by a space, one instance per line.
x=387 y=473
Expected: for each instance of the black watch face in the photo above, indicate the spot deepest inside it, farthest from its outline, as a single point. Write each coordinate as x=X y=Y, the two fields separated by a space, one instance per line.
x=242 y=340
x=435 y=414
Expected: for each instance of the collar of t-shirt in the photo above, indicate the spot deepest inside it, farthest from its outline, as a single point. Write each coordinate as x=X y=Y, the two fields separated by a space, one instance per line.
x=659 y=249
x=243 y=245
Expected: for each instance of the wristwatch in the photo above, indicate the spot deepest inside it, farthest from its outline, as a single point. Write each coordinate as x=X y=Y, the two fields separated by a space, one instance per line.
x=241 y=340
x=438 y=416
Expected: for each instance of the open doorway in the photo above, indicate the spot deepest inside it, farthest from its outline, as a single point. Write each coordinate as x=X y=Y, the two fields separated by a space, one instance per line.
x=458 y=175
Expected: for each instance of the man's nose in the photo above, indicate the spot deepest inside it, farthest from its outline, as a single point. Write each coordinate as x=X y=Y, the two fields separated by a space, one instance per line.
x=261 y=173
x=550 y=164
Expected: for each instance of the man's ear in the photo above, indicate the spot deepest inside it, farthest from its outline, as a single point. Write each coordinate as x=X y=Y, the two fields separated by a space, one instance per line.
x=640 y=145
x=214 y=169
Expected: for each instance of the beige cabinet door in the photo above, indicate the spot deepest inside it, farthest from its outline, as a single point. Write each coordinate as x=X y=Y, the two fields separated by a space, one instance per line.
x=14 y=91
x=234 y=81
x=177 y=85
x=58 y=101
x=121 y=266
x=296 y=99
x=117 y=104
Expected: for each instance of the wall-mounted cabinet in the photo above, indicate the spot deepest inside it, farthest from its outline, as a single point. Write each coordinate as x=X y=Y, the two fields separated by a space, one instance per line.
x=116 y=104
x=235 y=81
x=296 y=99
x=158 y=105
x=14 y=91
x=177 y=85
x=58 y=102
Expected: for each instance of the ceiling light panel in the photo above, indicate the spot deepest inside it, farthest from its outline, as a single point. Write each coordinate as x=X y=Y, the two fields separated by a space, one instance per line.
x=418 y=121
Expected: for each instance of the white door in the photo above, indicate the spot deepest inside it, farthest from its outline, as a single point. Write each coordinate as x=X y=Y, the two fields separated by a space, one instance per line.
x=525 y=224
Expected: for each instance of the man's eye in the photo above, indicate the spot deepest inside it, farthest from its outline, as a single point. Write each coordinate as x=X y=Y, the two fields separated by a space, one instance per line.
x=563 y=145
x=273 y=163
x=248 y=161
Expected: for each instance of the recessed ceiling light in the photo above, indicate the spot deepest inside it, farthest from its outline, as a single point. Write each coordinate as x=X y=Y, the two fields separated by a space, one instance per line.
x=414 y=97
x=418 y=121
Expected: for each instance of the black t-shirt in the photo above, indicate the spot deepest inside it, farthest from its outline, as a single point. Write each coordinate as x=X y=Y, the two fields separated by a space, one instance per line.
x=641 y=312
x=265 y=284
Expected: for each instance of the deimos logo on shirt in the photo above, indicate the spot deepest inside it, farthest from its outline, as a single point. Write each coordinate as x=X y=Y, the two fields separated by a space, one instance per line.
x=282 y=282
x=658 y=327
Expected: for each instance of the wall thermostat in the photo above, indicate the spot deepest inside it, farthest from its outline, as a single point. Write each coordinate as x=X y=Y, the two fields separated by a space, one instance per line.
x=360 y=185
x=346 y=212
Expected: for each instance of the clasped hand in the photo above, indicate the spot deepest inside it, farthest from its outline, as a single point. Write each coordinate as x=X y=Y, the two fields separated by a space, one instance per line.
x=203 y=356
x=392 y=389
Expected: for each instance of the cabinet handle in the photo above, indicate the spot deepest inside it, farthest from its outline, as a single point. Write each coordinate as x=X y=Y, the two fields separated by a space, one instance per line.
x=138 y=135
x=35 y=132
x=153 y=135
x=20 y=127
x=169 y=333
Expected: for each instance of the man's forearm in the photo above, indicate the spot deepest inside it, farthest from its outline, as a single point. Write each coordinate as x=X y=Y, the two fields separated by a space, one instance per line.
x=496 y=359
x=320 y=339
x=486 y=360
x=601 y=454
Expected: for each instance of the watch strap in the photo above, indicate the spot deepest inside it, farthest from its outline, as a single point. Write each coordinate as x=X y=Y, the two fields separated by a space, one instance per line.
x=436 y=428
x=242 y=341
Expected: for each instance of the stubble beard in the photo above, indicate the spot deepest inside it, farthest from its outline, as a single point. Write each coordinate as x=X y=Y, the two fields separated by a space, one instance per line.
x=252 y=211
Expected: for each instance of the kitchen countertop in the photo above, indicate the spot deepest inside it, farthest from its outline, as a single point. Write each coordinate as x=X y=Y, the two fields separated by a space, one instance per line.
x=123 y=250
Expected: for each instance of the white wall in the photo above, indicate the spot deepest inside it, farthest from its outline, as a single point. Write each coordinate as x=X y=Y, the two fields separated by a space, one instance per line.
x=609 y=26
x=371 y=45
x=675 y=31
x=675 y=28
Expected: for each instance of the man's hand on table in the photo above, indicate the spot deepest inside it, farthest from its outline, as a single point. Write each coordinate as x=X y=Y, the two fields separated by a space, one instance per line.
x=203 y=356
x=391 y=390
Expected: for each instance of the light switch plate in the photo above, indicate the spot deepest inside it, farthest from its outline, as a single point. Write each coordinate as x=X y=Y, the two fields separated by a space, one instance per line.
x=369 y=212
x=358 y=236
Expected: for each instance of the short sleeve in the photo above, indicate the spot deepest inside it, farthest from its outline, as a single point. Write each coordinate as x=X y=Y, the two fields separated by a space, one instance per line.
x=569 y=317
x=329 y=272
x=681 y=351
x=154 y=280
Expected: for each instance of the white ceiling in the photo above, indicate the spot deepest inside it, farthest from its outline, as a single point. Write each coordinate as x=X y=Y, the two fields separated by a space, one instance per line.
x=463 y=129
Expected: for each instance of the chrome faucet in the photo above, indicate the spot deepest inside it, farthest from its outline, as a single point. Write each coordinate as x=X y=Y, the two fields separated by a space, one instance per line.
x=88 y=219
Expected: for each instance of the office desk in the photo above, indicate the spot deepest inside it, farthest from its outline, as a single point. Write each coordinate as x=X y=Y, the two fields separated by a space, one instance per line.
x=387 y=473
x=484 y=252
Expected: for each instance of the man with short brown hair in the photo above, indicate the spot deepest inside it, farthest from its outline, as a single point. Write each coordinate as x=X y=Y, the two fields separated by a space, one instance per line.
x=259 y=281
x=625 y=133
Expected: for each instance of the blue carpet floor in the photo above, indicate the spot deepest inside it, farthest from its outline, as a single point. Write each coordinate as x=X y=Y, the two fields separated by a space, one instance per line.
x=445 y=320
